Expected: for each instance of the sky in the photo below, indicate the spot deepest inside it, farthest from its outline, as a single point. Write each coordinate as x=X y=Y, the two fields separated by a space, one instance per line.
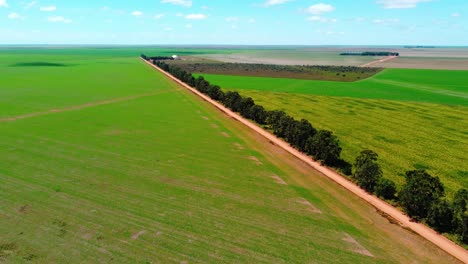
x=235 y=22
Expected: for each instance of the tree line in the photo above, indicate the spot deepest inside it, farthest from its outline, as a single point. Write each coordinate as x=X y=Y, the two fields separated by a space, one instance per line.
x=422 y=196
x=371 y=53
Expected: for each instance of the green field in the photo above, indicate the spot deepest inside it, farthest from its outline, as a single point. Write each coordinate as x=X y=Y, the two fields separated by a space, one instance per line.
x=105 y=160
x=411 y=118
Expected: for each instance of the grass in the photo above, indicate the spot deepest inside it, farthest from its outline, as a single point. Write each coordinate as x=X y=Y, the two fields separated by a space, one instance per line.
x=155 y=179
x=430 y=86
x=414 y=119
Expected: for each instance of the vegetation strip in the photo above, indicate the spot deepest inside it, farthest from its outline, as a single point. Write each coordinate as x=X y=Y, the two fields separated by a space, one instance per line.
x=305 y=72
x=426 y=232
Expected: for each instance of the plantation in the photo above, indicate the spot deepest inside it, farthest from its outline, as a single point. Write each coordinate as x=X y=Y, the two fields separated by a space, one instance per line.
x=106 y=160
x=412 y=123
x=329 y=73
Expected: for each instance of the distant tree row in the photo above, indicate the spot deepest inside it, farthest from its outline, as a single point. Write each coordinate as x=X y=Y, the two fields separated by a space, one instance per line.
x=422 y=196
x=371 y=53
x=143 y=56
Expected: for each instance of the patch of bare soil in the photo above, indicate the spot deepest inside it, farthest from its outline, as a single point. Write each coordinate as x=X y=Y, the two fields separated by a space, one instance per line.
x=225 y=134
x=356 y=247
x=239 y=146
x=309 y=205
x=205 y=117
x=379 y=61
x=255 y=159
x=214 y=125
x=138 y=234
x=278 y=180
x=24 y=209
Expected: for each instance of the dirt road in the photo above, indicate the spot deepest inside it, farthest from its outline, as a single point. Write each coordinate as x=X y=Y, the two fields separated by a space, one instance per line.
x=379 y=61
x=424 y=231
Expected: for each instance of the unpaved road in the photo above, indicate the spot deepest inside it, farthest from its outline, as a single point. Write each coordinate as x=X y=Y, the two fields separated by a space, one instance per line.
x=379 y=61
x=404 y=221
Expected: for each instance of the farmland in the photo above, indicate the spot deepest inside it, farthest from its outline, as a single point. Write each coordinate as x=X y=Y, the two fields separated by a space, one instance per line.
x=411 y=118
x=454 y=58
x=103 y=159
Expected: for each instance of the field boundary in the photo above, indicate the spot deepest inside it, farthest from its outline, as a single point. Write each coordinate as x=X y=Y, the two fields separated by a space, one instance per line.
x=382 y=206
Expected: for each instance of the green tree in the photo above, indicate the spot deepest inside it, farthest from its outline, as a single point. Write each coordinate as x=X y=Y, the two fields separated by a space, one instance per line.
x=367 y=172
x=460 y=217
x=324 y=146
x=419 y=193
x=440 y=216
x=386 y=189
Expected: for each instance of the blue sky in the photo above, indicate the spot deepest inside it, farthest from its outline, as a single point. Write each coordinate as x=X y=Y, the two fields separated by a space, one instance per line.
x=250 y=22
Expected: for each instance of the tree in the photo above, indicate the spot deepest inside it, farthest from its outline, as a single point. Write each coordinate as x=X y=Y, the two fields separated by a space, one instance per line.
x=273 y=117
x=367 y=172
x=460 y=200
x=324 y=146
x=233 y=101
x=301 y=131
x=245 y=105
x=440 y=216
x=258 y=114
x=460 y=214
x=419 y=193
x=386 y=189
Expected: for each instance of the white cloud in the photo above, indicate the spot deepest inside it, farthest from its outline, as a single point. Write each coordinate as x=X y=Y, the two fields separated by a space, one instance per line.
x=48 y=8
x=14 y=15
x=137 y=13
x=275 y=2
x=196 y=16
x=456 y=14
x=400 y=3
x=179 y=15
x=322 y=19
x=186 y=3
x=232 y=19
x=386 y=21
x=3 y=3
x=30 y=4
x=158 y=16
x=56 y=19
x=319 y=9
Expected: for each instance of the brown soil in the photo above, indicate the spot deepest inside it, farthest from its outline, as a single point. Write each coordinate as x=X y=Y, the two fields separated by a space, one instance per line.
x=278 y=180
x=420 y=229
x=310 y=206
x=138 y=234
x=356 y=246
x=255 y=159
x=370 y=64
